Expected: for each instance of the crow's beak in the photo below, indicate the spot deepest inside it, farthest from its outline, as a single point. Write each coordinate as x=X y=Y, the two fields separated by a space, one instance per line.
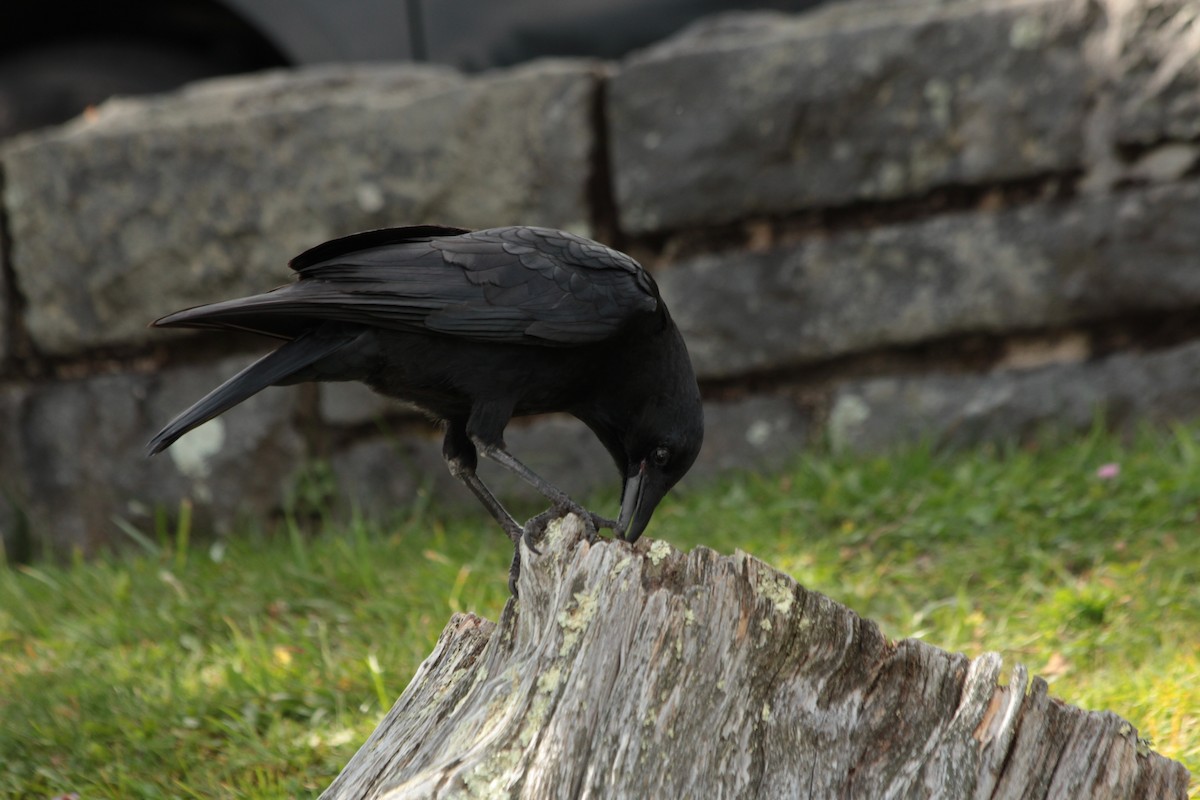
x=638 y=502
x=630 y=499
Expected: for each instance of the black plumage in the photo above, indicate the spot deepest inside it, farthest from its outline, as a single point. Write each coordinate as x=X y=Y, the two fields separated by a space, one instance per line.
x=475 y=328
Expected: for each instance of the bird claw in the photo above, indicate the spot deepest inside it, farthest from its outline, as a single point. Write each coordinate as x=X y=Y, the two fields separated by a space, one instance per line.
x=592 y=523
x=591 y=530
x=603 y=522
x=535 y=529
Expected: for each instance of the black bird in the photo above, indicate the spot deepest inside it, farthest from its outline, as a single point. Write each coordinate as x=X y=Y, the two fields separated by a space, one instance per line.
x=476 y=328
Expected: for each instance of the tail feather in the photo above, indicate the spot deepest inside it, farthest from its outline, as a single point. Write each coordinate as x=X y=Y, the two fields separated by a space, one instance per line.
x=272 y=368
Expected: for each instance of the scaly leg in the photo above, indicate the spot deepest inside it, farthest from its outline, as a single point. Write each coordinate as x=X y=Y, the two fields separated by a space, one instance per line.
x=462 y=460
x=560 y=499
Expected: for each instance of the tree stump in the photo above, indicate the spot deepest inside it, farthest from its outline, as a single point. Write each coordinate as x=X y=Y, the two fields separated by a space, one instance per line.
x=641 y=672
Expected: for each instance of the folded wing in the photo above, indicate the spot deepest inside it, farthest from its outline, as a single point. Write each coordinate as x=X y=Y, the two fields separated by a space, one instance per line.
x=513 y=285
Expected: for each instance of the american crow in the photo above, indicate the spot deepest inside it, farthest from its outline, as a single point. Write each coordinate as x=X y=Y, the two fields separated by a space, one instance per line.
x=476 y=328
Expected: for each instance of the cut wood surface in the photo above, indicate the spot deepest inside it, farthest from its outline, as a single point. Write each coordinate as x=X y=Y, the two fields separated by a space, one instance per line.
x=642 y=672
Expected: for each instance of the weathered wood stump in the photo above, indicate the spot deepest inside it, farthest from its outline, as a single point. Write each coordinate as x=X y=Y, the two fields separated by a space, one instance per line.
x=642 y=672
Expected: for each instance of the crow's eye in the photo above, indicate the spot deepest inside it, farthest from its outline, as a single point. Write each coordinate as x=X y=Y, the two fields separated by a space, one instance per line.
x=660 y=456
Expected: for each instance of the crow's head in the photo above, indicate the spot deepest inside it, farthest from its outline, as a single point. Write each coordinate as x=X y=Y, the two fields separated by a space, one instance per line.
x=658 y=443
x=657 y=456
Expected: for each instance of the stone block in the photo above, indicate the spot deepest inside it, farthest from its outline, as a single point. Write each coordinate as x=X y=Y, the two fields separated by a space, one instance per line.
x=354 y=404
x=961 y=410
x=761 y=432
x=1041 y=265
x=746 y=116
x=76 y=461
x=5 y=312
x=385 y=476
x=18 y=540
x=166 y=203
x=1151 y=55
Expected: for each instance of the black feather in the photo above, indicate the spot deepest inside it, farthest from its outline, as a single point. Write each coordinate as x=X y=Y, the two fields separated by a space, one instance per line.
x=493 y=285
x=269 y=370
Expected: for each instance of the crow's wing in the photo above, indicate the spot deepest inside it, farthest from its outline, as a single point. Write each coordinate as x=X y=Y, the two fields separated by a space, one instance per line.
x=515 y=285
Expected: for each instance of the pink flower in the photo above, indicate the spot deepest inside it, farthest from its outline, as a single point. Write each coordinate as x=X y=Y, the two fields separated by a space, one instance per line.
x=1108 y=471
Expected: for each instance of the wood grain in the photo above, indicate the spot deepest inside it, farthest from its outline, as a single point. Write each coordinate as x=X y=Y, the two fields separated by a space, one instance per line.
x=642 y=672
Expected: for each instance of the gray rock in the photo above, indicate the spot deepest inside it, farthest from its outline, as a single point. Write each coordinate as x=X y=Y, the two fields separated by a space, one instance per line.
x=17 y=538
x=171 y=202
x=5 y=311
x=5 y=345
x=563 y=450
x=1037 y=266
x=242 y=459
x=767 y=114
x=960 y=410
x=355 y=404
x=78 y=452
x=385 y=476
x=1169 y=162
x=1151 y=55
x=758 y=432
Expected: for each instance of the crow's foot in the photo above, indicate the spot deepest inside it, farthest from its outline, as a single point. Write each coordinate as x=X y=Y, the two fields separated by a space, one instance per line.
x=535 y=529
x=592 y=523
x=603 y=522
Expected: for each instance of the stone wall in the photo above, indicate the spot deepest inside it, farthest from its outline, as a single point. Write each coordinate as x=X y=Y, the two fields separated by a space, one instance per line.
x=959 y=220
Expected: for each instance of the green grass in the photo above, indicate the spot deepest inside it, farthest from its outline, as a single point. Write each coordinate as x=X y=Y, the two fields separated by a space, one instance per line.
x=254 y=668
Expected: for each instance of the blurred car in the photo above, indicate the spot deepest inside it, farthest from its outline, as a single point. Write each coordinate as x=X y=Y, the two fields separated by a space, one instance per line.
x=57 y=58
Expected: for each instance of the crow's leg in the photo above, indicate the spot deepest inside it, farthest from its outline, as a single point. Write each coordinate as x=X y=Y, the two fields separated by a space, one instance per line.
x=462 y=460
x=485 y=429
x=561 y=500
